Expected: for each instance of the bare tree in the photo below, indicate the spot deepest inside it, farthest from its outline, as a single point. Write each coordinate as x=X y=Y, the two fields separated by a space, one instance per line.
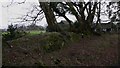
x=78 y=9
x=83 y=11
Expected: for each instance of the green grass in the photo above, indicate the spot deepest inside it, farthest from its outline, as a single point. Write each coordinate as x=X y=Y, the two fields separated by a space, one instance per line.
x=34 y=32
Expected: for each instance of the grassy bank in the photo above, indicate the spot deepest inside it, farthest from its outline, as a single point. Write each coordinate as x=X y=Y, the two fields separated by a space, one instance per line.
x=59 y=50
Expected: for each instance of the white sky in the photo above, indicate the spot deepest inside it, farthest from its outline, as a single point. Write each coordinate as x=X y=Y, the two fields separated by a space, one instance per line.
x=15 y=11
x=0 y=17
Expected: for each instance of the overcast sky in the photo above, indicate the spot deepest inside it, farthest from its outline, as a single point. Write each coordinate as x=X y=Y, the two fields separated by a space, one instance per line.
x=14 y=11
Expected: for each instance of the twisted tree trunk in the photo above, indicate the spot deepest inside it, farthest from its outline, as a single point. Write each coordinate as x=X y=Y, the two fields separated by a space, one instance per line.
x=50 y=17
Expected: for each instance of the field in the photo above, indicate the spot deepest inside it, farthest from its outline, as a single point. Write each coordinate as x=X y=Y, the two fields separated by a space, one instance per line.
x=32 y=32
x=35 y=32
x=88 y=51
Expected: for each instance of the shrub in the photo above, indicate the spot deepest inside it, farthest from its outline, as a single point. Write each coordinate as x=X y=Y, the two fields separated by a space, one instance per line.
x=74 y=37
x=12 y=33
x=54 y=41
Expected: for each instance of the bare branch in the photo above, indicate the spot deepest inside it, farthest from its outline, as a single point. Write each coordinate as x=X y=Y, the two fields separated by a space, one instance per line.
x=12 y=3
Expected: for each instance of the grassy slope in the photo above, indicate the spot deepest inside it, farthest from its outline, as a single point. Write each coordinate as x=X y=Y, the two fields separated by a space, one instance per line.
x=98 y=51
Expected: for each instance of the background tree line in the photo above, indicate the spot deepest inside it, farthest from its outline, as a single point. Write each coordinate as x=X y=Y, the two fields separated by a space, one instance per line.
x=85 y=12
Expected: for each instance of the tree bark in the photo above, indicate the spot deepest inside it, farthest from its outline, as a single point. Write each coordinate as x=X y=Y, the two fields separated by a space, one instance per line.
x=53 y=6
x=50 y=17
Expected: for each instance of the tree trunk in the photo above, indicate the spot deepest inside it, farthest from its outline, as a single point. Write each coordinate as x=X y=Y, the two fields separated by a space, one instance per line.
x=79 y=19
x=53 y=6
x=50 y=17
x=98 y=23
